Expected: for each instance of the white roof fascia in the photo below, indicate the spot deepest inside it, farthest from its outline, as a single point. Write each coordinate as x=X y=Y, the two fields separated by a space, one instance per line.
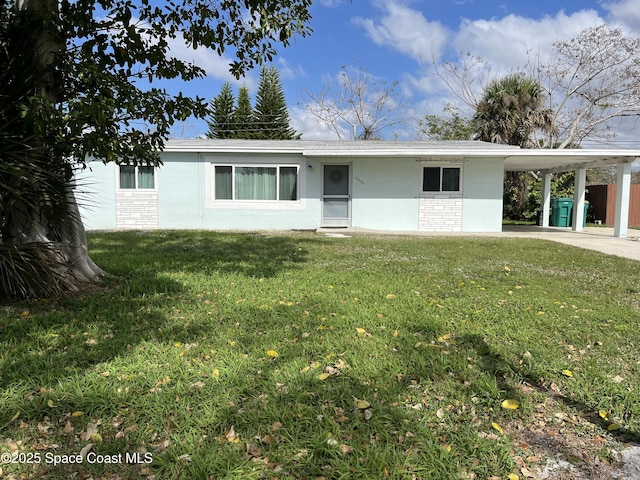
x=547 y=160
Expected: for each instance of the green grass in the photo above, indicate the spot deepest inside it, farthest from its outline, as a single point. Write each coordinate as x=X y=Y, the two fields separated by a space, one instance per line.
x=205 y=351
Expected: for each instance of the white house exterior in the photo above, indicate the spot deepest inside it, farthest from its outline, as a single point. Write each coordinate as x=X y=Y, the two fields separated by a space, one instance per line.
x=276 y=185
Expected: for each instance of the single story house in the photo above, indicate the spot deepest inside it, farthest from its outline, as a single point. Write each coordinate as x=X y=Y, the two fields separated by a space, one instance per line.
x=417 y=186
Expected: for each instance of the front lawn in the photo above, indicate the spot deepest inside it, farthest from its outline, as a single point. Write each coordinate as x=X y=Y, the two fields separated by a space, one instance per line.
x=241 y=356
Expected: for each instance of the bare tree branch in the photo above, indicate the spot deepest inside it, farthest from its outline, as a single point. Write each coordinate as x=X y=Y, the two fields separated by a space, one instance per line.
x=358 y=106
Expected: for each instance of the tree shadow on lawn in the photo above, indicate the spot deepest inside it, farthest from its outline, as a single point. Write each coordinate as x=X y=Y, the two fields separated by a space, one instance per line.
x=499 y=368
x=46 y=340
x=249 y=254
x=48 y=344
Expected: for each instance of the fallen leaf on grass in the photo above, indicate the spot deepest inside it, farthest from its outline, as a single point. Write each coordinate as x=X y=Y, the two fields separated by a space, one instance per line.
x=276 y=426
x=510 y=404
x=361 y=404
x=567 y=373
x=614 y=426
x=604 y=414
x=345 y=449
x=68 y=428
x=497 y=427
x=272 y=354
x=230 y=436
x=361 y=331
x=86 y=449
x=390 y=296
x=323 y=376
x=92 y=429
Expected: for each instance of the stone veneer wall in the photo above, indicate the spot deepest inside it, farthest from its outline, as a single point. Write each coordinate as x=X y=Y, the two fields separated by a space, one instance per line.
x=136 y=209
x=440 y=212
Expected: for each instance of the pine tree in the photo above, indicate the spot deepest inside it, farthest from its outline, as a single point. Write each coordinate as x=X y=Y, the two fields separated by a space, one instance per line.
x=271 y=114
x=243 y=116
x=220 y=120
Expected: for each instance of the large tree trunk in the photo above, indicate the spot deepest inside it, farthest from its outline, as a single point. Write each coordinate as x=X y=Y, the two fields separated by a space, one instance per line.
x=73 y=245
x=62 y=245
x=55 y=227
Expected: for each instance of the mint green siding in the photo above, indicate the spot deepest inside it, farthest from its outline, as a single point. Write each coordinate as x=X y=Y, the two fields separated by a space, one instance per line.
x=95 y=192
x=482 y=195
x=385 y=193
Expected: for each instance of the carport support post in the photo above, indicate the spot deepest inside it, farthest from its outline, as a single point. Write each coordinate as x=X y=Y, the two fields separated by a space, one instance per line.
x=623 y=191
x=546 y=198
x=578 y=200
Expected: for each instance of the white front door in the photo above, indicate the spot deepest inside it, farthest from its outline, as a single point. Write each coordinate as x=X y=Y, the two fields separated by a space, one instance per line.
x=336 y=196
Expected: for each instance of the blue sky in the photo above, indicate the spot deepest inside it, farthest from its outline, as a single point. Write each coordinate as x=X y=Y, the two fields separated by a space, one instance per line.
x=395 y=40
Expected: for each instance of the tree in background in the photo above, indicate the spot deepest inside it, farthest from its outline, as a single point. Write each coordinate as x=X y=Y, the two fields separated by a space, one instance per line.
x=358 y=105
x=221 y=117
x=77 y=85
x=267 y=120
x=243 y=117
x=512 y=112
x=271 y=115
x=593 y=79
x=590 y=80
x=452 y=126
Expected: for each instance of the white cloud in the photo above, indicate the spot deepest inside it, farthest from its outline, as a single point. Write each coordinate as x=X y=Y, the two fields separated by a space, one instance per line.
x=288 y=71
x=405 y=30
x=311 y=128
x=214 y=65
x=508 y=41
x=626 y=13
x=331 y=3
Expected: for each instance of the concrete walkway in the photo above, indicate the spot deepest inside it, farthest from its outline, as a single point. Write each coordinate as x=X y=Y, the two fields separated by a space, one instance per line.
x=600 y=239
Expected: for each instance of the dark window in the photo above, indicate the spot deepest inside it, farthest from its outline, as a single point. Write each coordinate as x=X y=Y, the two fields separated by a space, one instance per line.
x=441 y=179
x=431 y=179
x=450 y=179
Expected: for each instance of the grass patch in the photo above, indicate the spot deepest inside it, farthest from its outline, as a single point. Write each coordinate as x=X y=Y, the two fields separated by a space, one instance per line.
x=217 y=355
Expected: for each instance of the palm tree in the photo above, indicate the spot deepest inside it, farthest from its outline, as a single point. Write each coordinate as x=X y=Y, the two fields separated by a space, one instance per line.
x=512 y=112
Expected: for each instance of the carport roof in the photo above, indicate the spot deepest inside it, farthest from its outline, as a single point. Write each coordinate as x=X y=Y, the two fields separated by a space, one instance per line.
x=516 y=159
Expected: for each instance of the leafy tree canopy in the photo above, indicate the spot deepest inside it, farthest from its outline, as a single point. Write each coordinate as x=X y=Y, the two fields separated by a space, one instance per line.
x=104 y=56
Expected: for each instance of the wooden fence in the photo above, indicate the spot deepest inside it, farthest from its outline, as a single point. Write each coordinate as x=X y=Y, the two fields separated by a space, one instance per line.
x=602 y=204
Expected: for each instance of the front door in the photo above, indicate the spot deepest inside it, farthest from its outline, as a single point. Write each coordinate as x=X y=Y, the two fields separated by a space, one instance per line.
x=336 y=196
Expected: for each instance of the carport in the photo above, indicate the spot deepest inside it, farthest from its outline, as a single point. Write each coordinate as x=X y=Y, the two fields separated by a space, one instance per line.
x=550 y=161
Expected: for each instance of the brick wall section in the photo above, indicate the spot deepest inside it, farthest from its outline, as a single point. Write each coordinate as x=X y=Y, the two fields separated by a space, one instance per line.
x=440 y=213
x=136 y=210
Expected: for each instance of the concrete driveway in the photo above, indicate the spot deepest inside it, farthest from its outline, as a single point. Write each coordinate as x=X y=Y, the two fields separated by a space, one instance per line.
x=600 y=239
